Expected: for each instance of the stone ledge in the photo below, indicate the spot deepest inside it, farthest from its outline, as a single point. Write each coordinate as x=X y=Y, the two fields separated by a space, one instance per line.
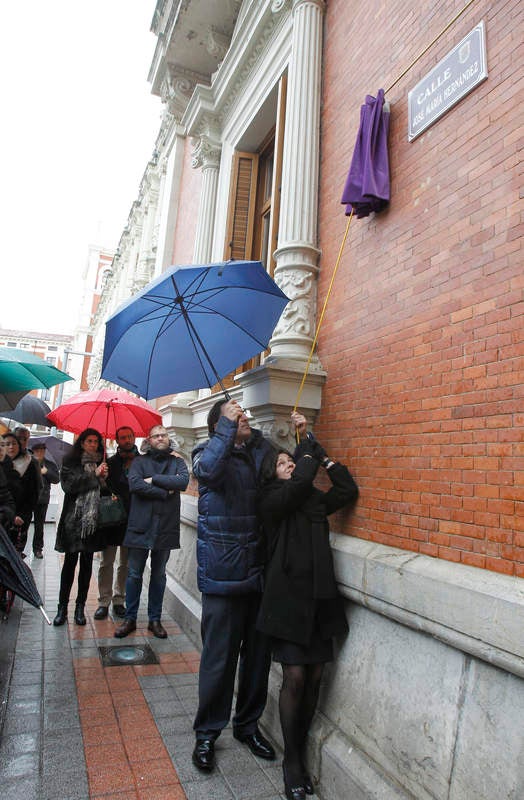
x=473 y=610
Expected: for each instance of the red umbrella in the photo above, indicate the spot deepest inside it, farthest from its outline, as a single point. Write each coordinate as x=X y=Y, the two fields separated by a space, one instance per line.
x=106 y=410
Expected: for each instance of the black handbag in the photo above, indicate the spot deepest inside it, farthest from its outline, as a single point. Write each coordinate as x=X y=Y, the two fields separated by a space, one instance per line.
x=111 y=511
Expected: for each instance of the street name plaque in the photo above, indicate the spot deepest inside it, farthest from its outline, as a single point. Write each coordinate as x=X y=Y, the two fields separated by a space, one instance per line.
x=459 y=72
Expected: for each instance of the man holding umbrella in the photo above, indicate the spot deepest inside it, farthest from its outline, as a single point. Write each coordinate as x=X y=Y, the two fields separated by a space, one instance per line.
x=231 y=557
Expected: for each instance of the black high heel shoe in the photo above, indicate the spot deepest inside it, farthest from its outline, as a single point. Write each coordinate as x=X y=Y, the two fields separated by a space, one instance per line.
x=308 y=784
x=297 y=792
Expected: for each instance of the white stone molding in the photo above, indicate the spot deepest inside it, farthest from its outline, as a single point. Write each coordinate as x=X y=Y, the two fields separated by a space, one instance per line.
x=297 y=255
x=206 y=156
x=217 y=43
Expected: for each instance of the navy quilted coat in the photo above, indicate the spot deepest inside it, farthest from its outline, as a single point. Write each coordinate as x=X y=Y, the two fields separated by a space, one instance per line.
x=230 y=547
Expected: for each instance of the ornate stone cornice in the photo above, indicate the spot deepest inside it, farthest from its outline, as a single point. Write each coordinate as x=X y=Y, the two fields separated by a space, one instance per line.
x=177 y=87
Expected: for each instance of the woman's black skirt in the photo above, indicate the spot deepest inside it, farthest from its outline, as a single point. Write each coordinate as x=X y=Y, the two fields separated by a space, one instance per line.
x=318 y=651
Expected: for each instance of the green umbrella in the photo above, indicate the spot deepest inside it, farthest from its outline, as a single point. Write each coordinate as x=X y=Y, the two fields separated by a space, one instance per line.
x=21 y=371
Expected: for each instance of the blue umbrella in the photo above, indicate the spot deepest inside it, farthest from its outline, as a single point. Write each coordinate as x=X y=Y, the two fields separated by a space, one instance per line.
x=190 y=327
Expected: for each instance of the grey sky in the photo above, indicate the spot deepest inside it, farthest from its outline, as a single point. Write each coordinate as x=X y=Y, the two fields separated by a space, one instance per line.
x=79 y=125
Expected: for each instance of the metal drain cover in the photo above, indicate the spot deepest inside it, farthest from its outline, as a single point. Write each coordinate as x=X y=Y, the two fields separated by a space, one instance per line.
x=127 y=655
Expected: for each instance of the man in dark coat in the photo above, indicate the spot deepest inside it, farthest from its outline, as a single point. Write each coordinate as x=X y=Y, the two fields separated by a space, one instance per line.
x=119 y=466
x=49 y=474
x=155 y=482
x=230 y=554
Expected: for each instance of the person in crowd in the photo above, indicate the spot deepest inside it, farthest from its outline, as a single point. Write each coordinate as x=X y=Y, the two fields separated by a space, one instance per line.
x=155 y=482
x=29 y=488
x=23 y=435
x=83 y=478
x=14 y=483
x=7 y=503
x=230 y=555
x=119 y=465
x=301 y=608
x=49 y=474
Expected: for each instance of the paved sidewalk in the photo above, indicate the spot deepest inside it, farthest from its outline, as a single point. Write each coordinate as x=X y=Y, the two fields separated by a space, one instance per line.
x=74 y=729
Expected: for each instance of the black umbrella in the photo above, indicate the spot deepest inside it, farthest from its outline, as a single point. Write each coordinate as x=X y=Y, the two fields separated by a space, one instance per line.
x=16 y=575
x=8 y=400
x=56 y=448
x=30 y=410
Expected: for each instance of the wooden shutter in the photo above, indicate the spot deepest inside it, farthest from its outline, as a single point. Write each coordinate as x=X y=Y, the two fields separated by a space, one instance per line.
x=241 y=210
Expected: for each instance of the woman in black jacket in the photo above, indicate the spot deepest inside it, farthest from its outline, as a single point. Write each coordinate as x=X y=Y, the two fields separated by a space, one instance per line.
x=301 y=608
x=29 y=485
x=83 y=479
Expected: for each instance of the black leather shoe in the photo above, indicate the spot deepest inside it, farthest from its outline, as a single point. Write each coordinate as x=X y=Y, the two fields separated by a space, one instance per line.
x=157 y=629
x=204 y=754
x=127 y=627
x=258 y=745
x=119 y=610
x=101 y=612
x=79 y=614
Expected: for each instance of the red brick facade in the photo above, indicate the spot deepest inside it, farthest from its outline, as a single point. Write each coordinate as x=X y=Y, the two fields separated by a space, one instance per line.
x=423 y=336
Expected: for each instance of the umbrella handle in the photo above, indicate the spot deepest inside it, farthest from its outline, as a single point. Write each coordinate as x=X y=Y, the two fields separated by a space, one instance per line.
x=42 y=609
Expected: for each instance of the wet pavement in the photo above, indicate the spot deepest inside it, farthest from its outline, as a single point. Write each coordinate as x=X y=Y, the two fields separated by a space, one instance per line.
x=76 y=725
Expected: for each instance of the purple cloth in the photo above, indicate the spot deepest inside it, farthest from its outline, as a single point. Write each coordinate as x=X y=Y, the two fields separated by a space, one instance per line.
x=367 y=185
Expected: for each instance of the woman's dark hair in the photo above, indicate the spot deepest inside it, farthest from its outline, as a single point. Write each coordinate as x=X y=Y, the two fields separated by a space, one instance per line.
x=268 y=468
x=214 y=415
x=76 y=453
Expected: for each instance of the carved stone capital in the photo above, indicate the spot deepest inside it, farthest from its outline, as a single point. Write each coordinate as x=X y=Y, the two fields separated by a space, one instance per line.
x=206 y=153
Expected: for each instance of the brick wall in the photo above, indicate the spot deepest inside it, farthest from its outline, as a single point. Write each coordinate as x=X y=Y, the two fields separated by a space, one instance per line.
x=423 y=337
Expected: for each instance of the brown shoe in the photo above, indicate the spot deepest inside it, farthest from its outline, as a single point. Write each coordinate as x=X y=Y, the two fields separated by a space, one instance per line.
x=157 y=629
x=127 y=627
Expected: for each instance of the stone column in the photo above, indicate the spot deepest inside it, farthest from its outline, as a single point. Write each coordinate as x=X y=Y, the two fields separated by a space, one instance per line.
x=206 y=156
x=297 y=254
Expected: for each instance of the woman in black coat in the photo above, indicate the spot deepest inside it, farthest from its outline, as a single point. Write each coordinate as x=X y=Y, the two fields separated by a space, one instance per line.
x=83 y=479
x=30 y=483
x=301 y=608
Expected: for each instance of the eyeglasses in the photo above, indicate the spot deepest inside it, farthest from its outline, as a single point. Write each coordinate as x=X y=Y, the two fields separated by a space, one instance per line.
x=159 y=436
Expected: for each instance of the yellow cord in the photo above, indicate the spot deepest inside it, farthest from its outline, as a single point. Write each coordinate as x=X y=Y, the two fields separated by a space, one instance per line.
x=323 y=311
x=423 y=52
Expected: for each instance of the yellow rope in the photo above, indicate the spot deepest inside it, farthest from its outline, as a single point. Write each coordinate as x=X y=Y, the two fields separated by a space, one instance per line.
x=323 y=311
x=423 y=52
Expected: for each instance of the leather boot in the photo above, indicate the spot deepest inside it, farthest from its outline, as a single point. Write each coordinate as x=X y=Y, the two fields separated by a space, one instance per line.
x=61 y=616
x=79 y=614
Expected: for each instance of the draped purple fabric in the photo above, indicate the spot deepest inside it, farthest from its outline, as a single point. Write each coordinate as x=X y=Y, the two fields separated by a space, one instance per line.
x=367 y=186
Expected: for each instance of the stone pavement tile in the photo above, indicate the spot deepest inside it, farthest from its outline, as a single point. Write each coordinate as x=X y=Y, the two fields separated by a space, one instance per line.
x=19 y=743
x=19 y=766
x=161 y=793
x=203 y=791
x=26 y=723
x=21 y=788
x=64 y=719
x=130 y=795
x=110 y=779
x=166 y=708
x=151 y=681
x=24 y=692
x=65 y=784
x=155 y=772
x=145 y=749
x=101 y=734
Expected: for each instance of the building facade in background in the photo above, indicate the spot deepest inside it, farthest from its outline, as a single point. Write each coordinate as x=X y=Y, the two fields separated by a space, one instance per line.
x=417 y=380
